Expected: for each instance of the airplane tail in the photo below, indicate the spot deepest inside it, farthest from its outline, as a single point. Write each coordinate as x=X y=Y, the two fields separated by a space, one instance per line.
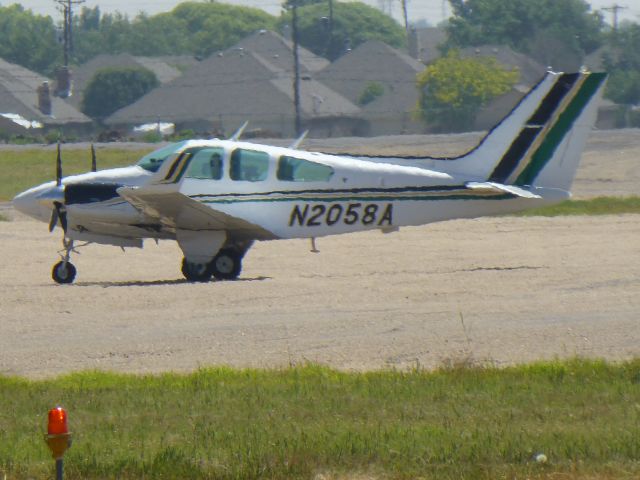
x=545 y=153
x=536 y=148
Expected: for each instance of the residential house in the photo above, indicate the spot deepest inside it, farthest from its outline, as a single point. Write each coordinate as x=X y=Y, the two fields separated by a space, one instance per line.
x=424 y=43
x=27 y=104
x=375 y=66
x=530 y=73
x=278 y=51
x=238 y=85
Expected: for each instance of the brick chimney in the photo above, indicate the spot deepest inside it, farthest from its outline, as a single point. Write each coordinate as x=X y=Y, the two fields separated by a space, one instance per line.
x=44 y=98
x=63 y=82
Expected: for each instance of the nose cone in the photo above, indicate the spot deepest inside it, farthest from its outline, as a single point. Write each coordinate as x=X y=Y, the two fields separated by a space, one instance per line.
x=37 y=202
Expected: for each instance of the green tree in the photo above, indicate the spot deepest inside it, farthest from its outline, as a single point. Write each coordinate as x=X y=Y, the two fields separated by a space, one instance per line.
x=215 y=26
x=190 y=28
x=621 y=59
x=113 y=35
x=453 y=89
x=371 y=91
x=526 y=25
x=114 y=88
x=624 y=87
x=28 y=40
x=353 y=23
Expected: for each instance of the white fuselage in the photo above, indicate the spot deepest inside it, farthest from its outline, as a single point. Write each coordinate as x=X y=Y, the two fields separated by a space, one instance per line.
x=358 y=195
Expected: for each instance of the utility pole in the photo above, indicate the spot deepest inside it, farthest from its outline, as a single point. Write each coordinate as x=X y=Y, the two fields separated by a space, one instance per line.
x=330 y=22
x=296 y=66
x=406 y=17
x=67 y=8
x=614 y=9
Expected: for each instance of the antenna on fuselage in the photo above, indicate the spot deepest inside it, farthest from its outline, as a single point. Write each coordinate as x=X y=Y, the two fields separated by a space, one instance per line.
x=296 y=143
x=236 y=136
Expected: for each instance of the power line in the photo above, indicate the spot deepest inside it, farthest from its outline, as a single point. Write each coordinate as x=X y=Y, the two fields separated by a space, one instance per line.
x=614 y=9
x=67 y=6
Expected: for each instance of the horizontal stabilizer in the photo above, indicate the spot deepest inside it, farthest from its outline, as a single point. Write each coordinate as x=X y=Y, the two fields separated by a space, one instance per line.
x=499 y=187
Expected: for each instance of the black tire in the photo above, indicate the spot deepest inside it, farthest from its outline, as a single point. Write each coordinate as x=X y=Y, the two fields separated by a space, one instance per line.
x=196 y=272
x=63 y=272
x=226 y=265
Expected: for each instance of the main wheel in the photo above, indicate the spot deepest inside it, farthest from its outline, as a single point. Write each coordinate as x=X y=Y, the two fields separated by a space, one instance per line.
x=226 y=265
x=63 y=272
x=196 y=272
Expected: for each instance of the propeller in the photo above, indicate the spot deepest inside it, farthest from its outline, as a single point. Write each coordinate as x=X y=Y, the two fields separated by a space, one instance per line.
x=59 y=167
x=58 y=213
x=94 y=165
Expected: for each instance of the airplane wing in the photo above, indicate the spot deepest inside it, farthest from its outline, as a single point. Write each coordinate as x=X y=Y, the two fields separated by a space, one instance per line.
x=179 y=212
x=499 y=187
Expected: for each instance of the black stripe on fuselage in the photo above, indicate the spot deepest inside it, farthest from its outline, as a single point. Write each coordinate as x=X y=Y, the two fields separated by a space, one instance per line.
x=519 y=147
x=336 y=191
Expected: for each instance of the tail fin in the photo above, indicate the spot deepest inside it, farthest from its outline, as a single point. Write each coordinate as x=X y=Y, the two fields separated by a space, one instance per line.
x=546 y=151
x=538 y=144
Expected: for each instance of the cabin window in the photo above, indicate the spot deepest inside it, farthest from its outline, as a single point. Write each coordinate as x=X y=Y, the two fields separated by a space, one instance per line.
x=154 y=160
x=291 y=169
x=249 y=165
x=206 y=163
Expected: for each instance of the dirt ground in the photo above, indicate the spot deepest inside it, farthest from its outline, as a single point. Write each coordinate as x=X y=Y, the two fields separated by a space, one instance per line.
x=499 y=290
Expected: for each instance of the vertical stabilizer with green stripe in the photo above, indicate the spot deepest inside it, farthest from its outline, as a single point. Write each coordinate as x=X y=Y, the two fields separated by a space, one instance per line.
x=546 y=152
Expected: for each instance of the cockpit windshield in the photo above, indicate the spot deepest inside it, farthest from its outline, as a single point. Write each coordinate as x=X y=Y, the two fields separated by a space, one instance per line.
x=152 y=161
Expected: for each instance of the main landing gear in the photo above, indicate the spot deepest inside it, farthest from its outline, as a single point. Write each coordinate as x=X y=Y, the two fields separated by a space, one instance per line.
x=64 y=271
x=226 y=265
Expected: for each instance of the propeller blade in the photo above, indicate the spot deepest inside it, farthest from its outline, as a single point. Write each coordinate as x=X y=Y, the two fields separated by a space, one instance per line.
x=94 y=165
x=59 y=167
x=62 y=215
x=54 y=219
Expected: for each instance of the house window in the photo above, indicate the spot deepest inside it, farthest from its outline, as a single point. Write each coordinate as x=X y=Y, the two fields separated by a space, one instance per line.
x=249 y=165
x=206 y=163
x=291 y=169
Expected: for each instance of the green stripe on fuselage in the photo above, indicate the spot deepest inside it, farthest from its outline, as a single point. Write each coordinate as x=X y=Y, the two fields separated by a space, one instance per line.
x=378 y=198
x=562 y=126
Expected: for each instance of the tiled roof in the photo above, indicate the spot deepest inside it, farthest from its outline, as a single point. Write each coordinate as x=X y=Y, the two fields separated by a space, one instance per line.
x=377 y=62
x=235 y=82
x=19 y=95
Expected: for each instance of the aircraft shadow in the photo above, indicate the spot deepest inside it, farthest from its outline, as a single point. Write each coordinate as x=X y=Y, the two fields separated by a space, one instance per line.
x=152 y=283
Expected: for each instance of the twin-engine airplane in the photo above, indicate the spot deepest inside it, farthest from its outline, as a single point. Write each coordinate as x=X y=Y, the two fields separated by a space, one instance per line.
x=216 y=197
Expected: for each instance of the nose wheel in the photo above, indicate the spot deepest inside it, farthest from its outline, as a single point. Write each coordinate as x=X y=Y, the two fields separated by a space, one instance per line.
x=64 y=271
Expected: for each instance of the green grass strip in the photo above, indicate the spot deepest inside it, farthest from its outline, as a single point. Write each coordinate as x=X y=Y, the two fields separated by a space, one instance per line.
x=594 y=206
x=26 y=168
x=454 y=423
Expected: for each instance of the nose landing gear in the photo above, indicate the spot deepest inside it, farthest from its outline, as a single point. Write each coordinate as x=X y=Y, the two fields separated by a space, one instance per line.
x=64 y=271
